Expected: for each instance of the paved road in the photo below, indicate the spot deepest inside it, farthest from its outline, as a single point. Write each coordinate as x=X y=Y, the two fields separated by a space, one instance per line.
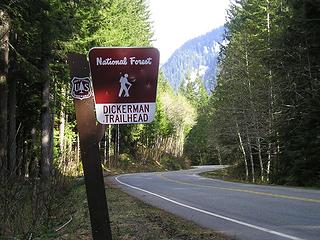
x=243 y=211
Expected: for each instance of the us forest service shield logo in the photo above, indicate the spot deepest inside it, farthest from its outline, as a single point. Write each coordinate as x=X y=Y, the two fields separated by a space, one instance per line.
x=81 y=88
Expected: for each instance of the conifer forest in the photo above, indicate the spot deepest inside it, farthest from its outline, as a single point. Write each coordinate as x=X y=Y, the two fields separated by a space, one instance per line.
x=262 y=117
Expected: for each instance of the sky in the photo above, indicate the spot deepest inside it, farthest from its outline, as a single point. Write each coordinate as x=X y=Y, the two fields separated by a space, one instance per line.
x=177 y=21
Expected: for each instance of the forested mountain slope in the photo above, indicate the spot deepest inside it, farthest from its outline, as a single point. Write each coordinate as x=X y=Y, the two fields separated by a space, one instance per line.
x=197 y=56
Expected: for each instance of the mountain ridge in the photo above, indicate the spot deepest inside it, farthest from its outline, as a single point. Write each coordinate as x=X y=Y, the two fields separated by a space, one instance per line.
x=198 y=56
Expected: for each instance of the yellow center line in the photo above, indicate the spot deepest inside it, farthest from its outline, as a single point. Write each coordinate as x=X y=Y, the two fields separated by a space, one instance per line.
x=314 y=200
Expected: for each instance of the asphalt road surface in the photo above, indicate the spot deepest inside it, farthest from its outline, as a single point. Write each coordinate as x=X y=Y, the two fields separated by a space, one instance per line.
x=242 y=211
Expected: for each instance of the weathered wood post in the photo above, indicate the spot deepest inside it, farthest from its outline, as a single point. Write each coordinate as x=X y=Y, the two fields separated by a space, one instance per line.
x=90 y=134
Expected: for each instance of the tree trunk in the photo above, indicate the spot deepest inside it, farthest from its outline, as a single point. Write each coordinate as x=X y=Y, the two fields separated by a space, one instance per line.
x=69 y=159
x=251 y=156
x=243 y=152
x=4 y=67
x=109 y=146
x=271 y=104
x=105 y=147
x=12 y=133
x=271 y=97
x=62 y=127
x=269 y=152
x=20 y=154
x=78 y=154
x=219 y=155
x=46 y=131
x=260 y=159
x=33 y=168
x=118 y=141
x=269 y=162
x=114 y=135
x=12 y=147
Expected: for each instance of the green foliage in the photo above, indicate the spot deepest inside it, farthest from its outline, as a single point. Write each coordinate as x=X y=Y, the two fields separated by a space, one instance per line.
x=124 y=161
x=263 y=113
x=298 y=120
x=196 y=146
x=195 y=92
x=42 y=34
x=110 y=23
x=165 y=135
x=173 y=163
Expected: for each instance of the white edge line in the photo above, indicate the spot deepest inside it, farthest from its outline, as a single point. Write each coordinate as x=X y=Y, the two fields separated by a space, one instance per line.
x=212 y=214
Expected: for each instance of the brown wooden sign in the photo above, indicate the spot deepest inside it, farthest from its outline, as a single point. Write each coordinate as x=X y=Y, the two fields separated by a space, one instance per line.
x=125 y=84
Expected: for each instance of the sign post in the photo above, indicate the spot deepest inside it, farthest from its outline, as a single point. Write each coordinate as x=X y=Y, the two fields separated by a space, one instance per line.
x=90 y=135
x=125 y=84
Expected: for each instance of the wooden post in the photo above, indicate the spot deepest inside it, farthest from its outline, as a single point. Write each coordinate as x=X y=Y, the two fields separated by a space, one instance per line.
x=4 y=68
x=90 y=134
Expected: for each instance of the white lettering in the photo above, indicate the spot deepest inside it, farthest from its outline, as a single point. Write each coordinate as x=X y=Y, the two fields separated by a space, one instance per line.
x=126 y=118
x=124 y=61
x=122 y=109
x=134 y=61
x=111 y=61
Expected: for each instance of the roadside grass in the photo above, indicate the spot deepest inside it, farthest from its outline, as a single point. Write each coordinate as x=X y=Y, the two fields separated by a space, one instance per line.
x=130 y=219
x=133 y=219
